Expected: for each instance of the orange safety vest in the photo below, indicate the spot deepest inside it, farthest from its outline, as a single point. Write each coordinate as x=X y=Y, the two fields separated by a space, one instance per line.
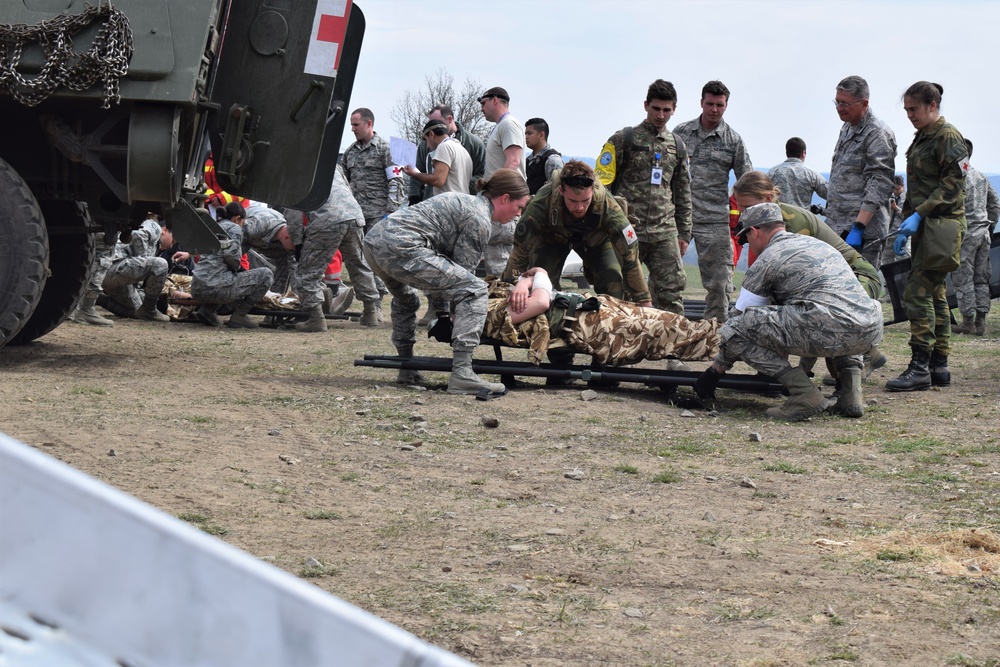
x=214 y=192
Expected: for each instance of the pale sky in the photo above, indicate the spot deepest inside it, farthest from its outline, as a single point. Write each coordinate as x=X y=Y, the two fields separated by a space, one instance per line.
x=585 y=65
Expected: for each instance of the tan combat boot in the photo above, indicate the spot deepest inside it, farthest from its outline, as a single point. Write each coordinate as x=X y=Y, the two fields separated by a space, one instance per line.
x=805 y=399
x=315 y=323
x=86 y=314
x=371 y=316
x=408 y=376
x=206 y=314
x=850 y=402
x=240 y=319
x=967 y=326
x=980 y=325
x=465 y=381
x=343 y=301
x=148 y=311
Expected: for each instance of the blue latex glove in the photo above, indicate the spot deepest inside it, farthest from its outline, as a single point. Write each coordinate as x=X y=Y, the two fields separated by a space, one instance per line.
x=906 y=230
x=855 y=237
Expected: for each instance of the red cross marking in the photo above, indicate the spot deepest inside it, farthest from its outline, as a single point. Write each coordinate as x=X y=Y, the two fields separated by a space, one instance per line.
x=331 y=28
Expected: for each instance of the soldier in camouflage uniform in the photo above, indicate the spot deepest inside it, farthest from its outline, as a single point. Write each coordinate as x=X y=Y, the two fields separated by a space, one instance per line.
x=217 y=278
x=266 y=231
x=376 y=182
x=435 y=246
x=85 y=312
x=796 y=181
x=861 y=177
x=650 y=172
x=614 y=333
x=572 y=211
x=972 y=279
x=336 y=224
x=895 y=218
x=934 y=216
x=755 y=187
x=715 y=149
x=801 y=298
x=136 y=263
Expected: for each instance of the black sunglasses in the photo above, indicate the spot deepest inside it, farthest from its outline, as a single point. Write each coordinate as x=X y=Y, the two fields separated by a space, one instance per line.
x=578 y=181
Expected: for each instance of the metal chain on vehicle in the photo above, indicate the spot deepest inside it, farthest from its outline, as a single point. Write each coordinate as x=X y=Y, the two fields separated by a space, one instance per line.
x=106 y=61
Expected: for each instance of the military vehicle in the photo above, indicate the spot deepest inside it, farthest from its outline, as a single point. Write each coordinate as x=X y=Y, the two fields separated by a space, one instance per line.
x=110 y=111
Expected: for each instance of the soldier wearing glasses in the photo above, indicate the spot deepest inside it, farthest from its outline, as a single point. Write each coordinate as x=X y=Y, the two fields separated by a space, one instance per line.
x=574 y=211
x=861 y=177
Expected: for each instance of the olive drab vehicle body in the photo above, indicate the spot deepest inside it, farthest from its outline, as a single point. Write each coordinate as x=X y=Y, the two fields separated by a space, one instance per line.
x=111 y=108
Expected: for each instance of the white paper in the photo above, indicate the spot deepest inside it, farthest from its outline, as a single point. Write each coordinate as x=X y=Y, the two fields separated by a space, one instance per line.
x=403 y=151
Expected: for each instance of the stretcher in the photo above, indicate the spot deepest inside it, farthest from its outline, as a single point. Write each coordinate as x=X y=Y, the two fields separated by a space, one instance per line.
x=595 y=375
x=896 y=274
x=277 y=317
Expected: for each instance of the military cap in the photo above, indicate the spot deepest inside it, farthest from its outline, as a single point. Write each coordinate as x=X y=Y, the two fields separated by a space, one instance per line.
x=495 y=91
x=755 y=216
x=432 y=124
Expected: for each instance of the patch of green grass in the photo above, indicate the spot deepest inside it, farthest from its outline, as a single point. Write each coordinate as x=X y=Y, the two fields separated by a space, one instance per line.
x=686 y=446
x=926 y=477
x=322 y=515
x=764 y=494
x=199 y=419
x=713 y=537
x=89 y=390
x=350 y=477
x=845 y=653
x=963 y=660
x=908 y=445
x=732 y=612
x=785 y=467
x=202 y=521
x=915 y=554
x=315 y=572
x=627 y=469
x=667 y=477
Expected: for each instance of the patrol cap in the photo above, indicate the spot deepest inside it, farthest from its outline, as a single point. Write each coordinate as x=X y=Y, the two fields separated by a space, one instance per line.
x=755 y=216
x=434 y=124
x=495 y=91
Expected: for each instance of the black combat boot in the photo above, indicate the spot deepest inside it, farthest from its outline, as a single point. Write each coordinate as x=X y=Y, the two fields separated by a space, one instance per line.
x=916 y=377
x=940 y=375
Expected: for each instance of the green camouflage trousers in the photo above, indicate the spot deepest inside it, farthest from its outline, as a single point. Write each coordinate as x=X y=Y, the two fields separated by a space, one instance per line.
x=666 y=272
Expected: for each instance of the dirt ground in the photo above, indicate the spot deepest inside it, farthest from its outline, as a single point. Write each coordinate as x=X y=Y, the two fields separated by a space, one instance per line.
x=691 y=537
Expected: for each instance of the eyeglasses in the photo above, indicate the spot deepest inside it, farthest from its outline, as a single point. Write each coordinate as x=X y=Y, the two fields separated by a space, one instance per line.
x=578 y=181
x=844 y=105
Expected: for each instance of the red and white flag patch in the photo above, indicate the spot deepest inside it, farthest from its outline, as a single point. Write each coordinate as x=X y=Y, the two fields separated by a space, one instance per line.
x=629 y=234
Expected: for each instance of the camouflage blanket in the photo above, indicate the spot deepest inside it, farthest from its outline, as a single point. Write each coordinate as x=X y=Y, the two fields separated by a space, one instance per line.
x=617 y=333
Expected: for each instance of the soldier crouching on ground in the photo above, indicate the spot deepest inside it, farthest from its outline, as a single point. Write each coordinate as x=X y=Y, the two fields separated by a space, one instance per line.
x=800 y=297
x=133 y=264
x=435 y=246
x=218 y=280
x=574 y=211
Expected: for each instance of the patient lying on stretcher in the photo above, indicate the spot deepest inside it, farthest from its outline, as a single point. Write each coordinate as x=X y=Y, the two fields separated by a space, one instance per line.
x=530 y=314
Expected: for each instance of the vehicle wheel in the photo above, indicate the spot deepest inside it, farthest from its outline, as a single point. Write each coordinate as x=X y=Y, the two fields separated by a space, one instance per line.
x=24 y=253
x=70 y=259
